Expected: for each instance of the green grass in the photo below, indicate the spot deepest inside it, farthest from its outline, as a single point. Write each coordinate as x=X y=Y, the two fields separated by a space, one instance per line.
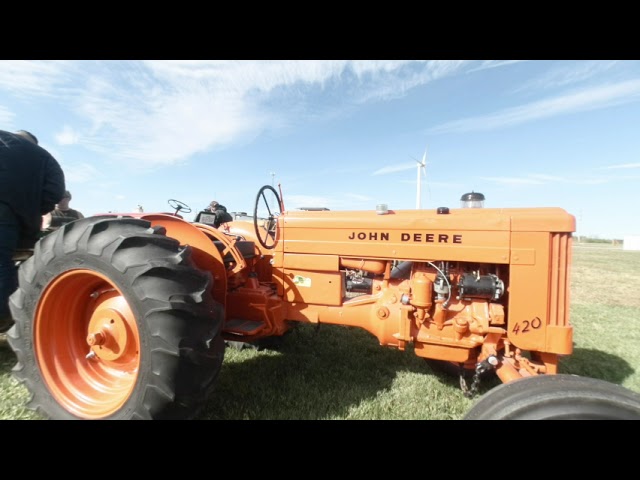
x=342 y=373
x=332 y=373
x=13 y=396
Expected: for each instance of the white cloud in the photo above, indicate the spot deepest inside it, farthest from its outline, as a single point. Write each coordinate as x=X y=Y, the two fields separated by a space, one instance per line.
x=339 y=201
x=568 y=74
x=6 y=116
x=295 y=202
x=587 y=99
x=445 y=184
x=401 y=167
x=593 y=181
x=542 y=179
x=487 y=64
x=428 y=184
x=388 y=85
x=513 y=180
x=241 y=77
x=573 y=180
x=547 y=178
x=80 y=172
x=357 y=197
x=68 y=136
x=621 y=166
x=33 y=77
x=163 y=112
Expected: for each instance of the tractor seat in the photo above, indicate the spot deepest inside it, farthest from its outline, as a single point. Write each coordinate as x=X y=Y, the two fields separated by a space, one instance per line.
x=246 y=248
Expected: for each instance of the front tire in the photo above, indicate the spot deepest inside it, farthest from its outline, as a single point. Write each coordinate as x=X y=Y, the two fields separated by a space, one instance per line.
x=114 y=321
x=557 y=397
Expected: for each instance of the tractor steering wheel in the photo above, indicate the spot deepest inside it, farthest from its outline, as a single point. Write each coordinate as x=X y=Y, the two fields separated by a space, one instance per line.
x=179 y=206
x=270 y=198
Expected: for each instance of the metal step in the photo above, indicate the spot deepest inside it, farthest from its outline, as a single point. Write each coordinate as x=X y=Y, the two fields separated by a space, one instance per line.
x=243 y=327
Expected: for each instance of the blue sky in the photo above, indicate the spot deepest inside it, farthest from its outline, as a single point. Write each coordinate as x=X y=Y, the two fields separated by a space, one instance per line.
x=339 y=134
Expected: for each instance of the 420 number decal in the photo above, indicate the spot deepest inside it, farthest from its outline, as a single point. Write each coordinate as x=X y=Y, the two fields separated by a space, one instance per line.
x=527 y=325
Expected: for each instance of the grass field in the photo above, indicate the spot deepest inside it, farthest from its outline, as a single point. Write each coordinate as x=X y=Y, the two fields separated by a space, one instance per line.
x=342 y=373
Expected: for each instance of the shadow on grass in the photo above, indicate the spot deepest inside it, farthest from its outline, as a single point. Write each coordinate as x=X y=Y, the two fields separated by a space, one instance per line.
x=324 y=374
x=314 y=375
x=596 y=364
x=7 y=357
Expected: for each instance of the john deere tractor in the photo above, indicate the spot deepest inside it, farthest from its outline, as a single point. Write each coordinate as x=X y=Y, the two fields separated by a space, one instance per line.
x=127 y=316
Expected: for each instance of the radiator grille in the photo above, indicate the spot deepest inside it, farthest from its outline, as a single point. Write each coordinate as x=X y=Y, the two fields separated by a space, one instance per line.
x=560 y=283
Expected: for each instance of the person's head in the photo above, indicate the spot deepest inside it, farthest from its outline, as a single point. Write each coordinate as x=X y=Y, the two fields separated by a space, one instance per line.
x=63 y=204
x=27 y=136
x=213 y=205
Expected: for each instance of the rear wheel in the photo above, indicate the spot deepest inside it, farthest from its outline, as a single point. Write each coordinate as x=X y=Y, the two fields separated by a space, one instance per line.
x=557 y=397
x=114 y=321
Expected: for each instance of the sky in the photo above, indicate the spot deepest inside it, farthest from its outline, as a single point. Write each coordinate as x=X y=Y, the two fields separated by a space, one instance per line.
x=339 y=134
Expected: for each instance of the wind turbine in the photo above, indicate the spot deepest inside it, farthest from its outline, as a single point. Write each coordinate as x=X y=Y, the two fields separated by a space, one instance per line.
x=422 y=166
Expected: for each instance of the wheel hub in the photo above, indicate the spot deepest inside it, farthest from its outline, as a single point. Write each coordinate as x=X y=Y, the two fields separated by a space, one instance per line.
x=87 y=344
x=108 y=333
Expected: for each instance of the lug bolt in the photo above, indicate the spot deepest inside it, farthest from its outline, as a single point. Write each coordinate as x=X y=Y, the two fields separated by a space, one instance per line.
x=96 y=338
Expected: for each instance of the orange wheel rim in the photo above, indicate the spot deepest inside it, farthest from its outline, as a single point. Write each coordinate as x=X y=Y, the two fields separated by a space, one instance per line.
x=87 y=344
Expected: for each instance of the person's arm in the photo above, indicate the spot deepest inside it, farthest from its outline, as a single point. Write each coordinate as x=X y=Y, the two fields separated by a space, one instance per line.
x=80 y=215
x=54 y=184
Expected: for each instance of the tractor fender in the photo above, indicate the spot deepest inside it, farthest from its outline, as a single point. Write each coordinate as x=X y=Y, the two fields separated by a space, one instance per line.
x=205 y=254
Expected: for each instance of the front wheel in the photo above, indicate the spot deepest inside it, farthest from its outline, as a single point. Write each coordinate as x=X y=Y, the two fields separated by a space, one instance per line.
x=557 y=397
x=114 y=321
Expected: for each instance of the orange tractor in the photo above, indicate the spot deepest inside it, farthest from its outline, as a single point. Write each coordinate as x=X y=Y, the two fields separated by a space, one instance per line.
x=127 y=316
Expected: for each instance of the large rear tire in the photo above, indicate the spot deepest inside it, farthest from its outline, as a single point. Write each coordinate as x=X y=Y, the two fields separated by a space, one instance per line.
x=114 y=321
x=557 y=397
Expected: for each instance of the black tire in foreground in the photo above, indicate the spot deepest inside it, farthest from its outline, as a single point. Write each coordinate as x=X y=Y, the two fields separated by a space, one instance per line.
x=557 y=397
x=114 y=321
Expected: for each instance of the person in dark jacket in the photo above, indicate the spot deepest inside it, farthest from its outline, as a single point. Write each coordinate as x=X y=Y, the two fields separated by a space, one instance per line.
x=31 y=184
x=215 y=214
